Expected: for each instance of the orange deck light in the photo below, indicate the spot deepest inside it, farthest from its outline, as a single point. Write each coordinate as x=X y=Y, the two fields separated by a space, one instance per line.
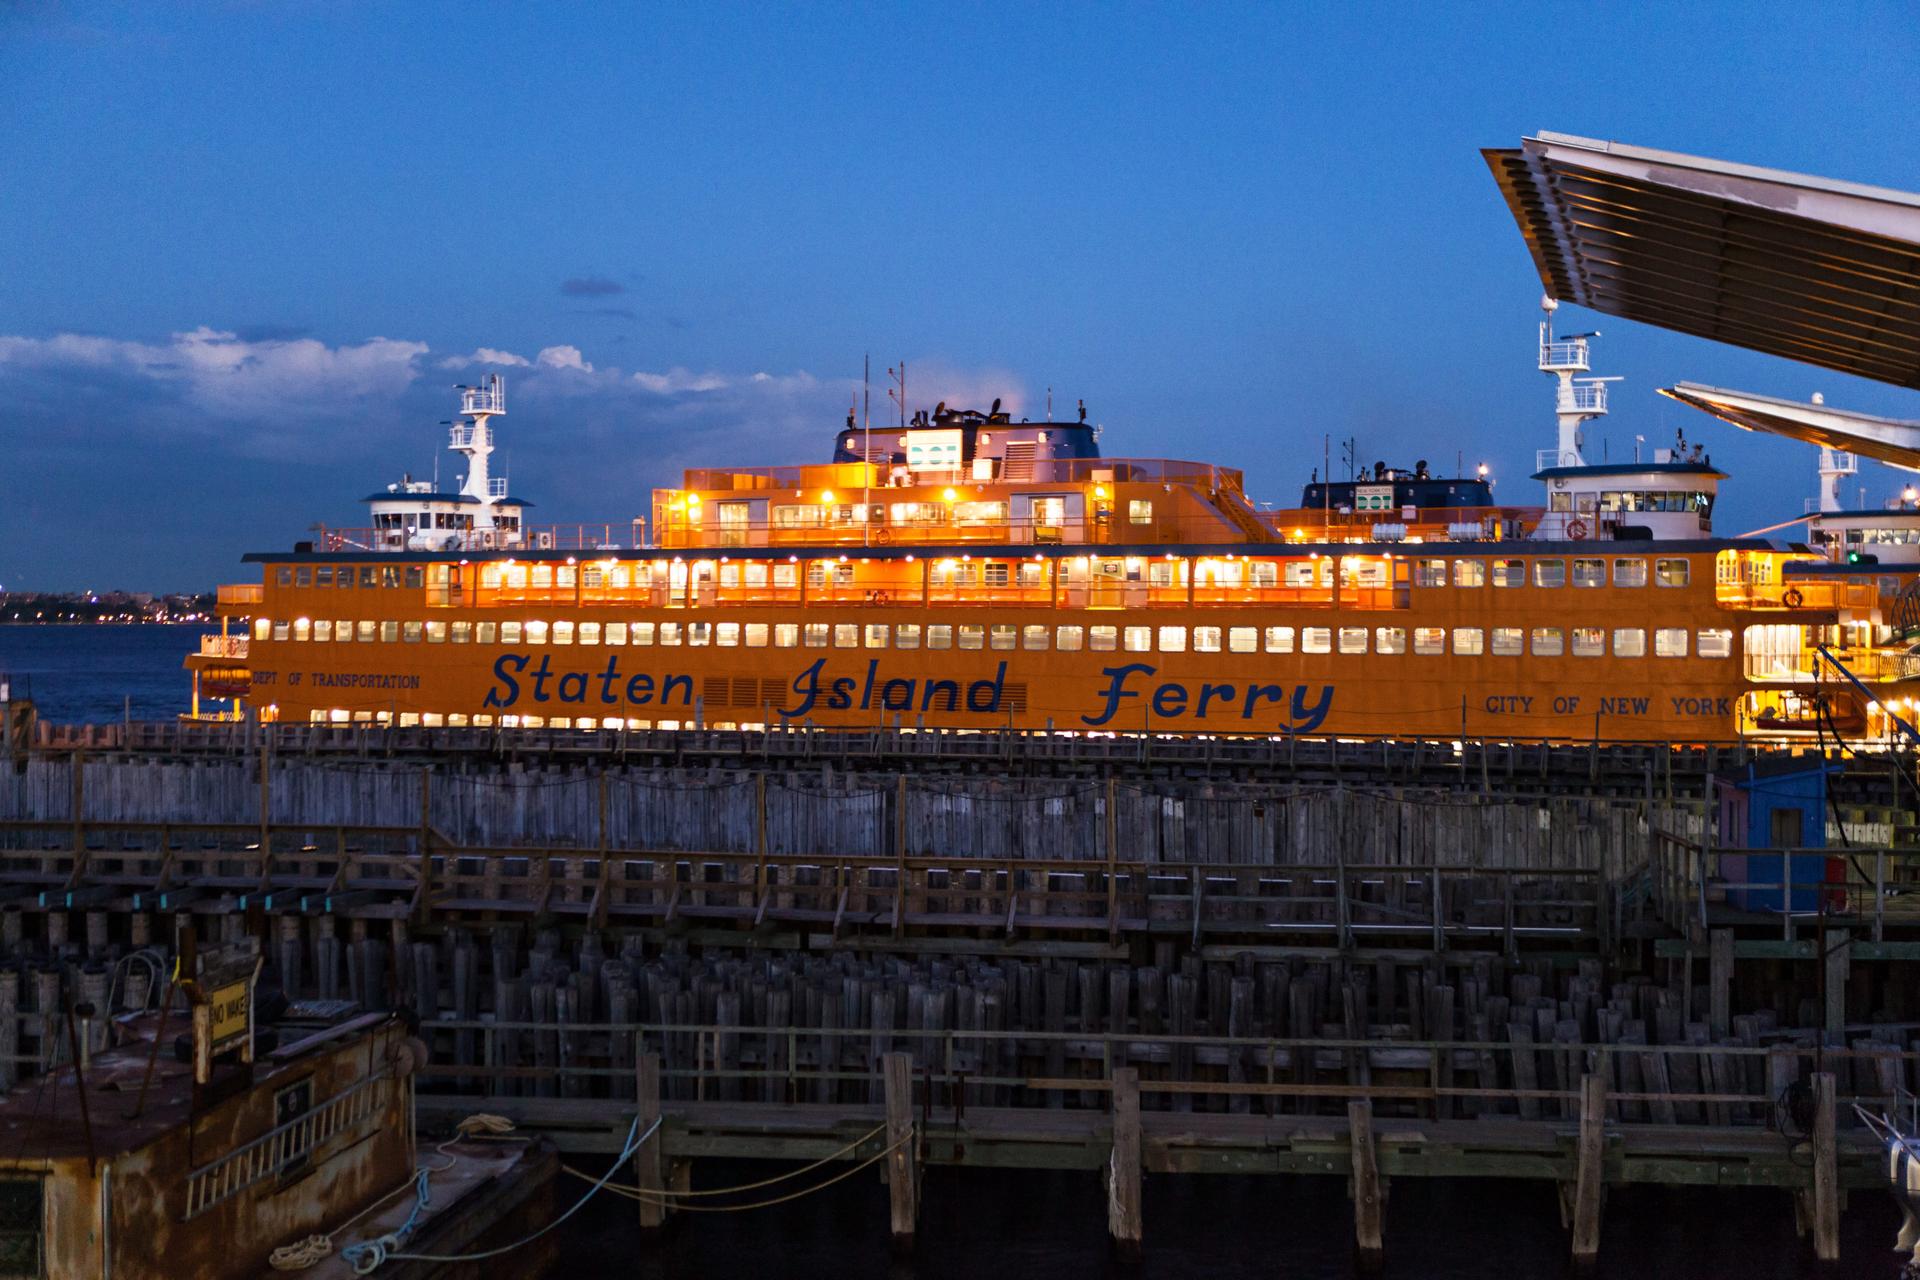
x=826 y=495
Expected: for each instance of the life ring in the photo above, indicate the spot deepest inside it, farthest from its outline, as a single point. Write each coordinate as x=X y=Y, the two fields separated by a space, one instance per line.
x=1576 y=529
x=1791 y=597
x=883 y=536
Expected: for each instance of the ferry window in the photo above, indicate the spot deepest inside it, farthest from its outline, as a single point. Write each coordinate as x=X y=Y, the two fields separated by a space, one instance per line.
x=725 y=633
x=616 y=633
x=1469 y=640
x=1353 y=639
x=589 y=633
x=389 y=576
x=1034 y=636
x=345 y=576
x=1629 y=642
x=1071 y=639
x=907 y=635
x=1507 y=640
x=698 y=633
x=1630 y=573
x=786 y=575
x=1316 y=640
x=1469 y=573
x=462 y=632
x=1429 y=573
x=1549 y=573
x=1032 y=573
x=1509 y=573
x=343 y=631
x=1160 y=573
x=915 y=513
x=939 y=635
x=323 y=630
x=843 y=575
x=1301 y=573
x=816 y=574
x=323 y=576
x=369 y=576
x=302 y=629
x=1102 y=639
x=669 y=633
x=729 y=575
x=1173 y=639
x=1429 y=639
x=1560 y=500
x=286 y=575
x=972 y=635
x=1589 y=573
x=1715 y=644
x=1265 y=573
x=1137 y=639
x=1243 y=639
x=641 y=633
x=996 y=574
x=816 y=635
x=1670 y=573
x=1589 y=642
x=786 y=635
x=757 y=635
x=537 y=632
x=875 y=636
x=980 y=512
x=756 y=574
x=365 y=631
x=1279 y=639
x=389 y=631
x=262 y=628
x=1139 y=511
x=1206 y=639
x=1670 y=642
x=846 y=635
x=416 y=576
x=1548 y=642
x=436 y=633
x=1390 y=639
x=799 y=517
x=563 y=632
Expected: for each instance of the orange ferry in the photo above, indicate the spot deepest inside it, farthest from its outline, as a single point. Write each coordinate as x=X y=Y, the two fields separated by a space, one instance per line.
x=966 y=571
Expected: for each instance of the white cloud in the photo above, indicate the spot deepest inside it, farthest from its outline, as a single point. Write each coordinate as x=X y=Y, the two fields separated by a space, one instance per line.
x=486 y=355
x=677 y=380
x=562 y=357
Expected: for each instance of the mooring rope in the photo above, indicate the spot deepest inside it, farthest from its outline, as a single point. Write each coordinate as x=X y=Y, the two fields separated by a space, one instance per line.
x=866 y=1137
x=671 y=1199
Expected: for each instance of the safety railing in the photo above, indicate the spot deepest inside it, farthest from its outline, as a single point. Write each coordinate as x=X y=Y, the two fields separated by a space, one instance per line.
x=1837 y=885
x=239 y=593
x=287 y=1145
x=223 y=646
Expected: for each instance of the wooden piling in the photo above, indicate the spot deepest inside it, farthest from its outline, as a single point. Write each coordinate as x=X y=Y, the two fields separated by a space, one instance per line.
x=1826 y=1170
x=1124 y=1221
x=1369 y=1191
x=1720 y=975
x=903 y=1190
x=1589 y=1188
x=649 y=1168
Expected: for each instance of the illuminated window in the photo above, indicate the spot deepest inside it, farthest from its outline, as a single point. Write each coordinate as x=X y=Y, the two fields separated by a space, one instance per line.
x=846 y=635
x=1508 y=641
x=1071 y=639
x=996 y=574
x=302 y=629
x=436 y=633
x=1590 y=573
x=1137 y=639
x=1629 y=642
x=1206 y=639
x=1669 y=573
x=563 y=632
x=1715 y=643
x=817 y=635
x=726 y=634
x=1139 y=511
x=1265 y=574
x=1469 y=573
x=1243 y=639
x=343 y=631
x=323 y=629
x=1429 y=573
x=1670 y=642
x=461 y=632
x=1353 y=639
x=1429 y=640
x=537 y=632
x=757 y=633
x=1469 y=640
x=589 y=633
x=1509 y=573
x=939 y=635
x=1316 y=640
x=875 y=635
x=1589 y=642
x=1390 y=640
x=1001 y=635
x=1173 y=639
x=972 y=635
x=1103 y=639
x=389 y=631
x=1279 y=639
x=1548 y=642
x=786 y=635
x=1034 y=636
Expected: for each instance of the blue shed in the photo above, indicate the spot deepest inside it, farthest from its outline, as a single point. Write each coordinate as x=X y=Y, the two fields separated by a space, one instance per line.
x=1775 y=803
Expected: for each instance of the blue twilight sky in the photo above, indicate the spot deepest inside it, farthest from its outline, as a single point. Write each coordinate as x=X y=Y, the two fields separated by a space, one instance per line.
x=246 y=248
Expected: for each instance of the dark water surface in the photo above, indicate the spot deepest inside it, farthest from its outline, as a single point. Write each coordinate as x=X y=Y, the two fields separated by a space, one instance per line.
x=95 y=675
x=1007 y=1224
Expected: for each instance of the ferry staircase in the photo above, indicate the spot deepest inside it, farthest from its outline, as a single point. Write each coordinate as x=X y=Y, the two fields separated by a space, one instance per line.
x=1234 y=506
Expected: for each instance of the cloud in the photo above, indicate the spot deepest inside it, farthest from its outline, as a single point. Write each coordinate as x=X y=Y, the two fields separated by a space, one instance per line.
x=591 y=287
x=562 y=357
x=486 y=355
x=677 y=381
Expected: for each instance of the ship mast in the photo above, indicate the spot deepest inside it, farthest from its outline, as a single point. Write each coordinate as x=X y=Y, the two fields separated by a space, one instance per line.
x=1575 y=399
x=473 y=437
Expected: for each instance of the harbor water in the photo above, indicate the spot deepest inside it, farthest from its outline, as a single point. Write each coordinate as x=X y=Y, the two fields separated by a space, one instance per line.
x=88 y=674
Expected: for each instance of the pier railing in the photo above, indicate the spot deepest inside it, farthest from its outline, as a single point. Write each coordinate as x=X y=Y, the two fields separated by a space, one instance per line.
x=1695 y=886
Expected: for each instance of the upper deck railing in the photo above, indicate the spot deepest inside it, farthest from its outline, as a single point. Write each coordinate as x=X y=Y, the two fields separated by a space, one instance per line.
x=1589 y=397
x=1056 y=471
x=553 y=537
x=483 y=400
x=1565 y=355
